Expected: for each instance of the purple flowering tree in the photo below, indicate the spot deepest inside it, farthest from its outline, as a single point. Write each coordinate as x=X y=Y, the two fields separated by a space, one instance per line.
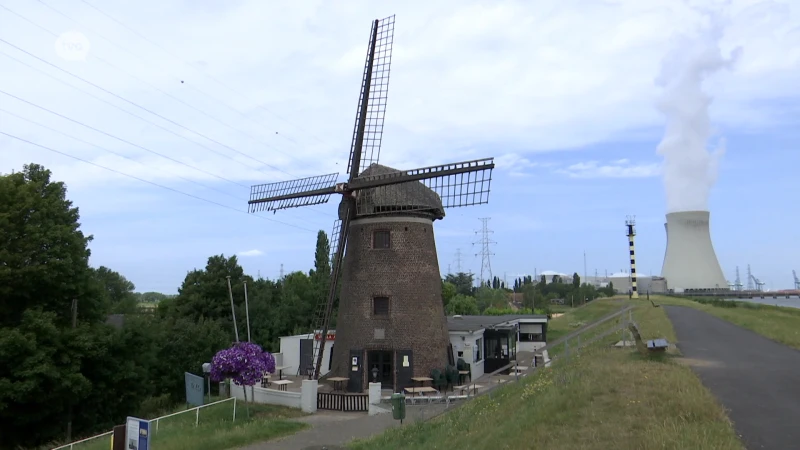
x=245 y=363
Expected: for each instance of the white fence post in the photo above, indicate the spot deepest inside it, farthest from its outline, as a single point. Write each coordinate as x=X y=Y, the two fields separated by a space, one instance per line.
x=234 y=409
x=308 y=396
x=197 y=417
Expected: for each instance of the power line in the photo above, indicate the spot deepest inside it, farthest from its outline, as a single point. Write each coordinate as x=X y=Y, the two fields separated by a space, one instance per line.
x=485 y=252
x=161 y=91
x=120 y=139
x=199 y=70
x=140 y=107
x=149 y=182
x=113 y=152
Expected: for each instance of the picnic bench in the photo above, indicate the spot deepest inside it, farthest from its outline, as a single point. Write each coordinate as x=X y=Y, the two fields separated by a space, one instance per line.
x=282 y=384
x=657 y=345
x=421 y=390
x=466 y=387
x=338 y=383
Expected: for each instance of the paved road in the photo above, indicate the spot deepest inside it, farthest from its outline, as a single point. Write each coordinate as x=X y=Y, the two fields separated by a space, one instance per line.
x=756 y=379
x=333 y=430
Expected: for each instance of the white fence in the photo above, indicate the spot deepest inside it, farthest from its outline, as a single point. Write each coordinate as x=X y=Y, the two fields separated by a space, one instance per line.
x=305 y=400
x=155 y=422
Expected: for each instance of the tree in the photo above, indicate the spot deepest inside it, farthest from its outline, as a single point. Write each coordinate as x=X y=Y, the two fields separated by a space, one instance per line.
x=117 y=291
x=44 y=254
x=463 y=305
x=543 y=280
x=462 y=281
x=321 y=274
x=576 y=280
x=449 y=290
x=487 y=297
x=204 y=293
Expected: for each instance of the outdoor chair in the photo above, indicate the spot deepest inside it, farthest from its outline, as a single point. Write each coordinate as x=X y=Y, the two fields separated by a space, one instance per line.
x=439 y=380
x=462 y=365
x=451 y=377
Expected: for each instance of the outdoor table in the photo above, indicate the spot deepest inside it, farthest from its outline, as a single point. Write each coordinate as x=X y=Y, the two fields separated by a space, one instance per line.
x=337 y=383
x=422 y=380
x=282 y=384
x=280 y=370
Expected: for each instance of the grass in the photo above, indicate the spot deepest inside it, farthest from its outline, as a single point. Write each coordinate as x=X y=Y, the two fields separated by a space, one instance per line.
x=216 y=429
x=574 y=318
x=602 y=398
x=781 y=324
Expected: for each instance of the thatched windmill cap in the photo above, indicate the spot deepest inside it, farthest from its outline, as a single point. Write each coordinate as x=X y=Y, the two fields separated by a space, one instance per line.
x=412 y=197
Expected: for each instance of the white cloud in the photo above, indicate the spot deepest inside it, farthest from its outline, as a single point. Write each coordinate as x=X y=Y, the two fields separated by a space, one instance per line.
x=254 y=252
x=572 y=75
x=617 y=169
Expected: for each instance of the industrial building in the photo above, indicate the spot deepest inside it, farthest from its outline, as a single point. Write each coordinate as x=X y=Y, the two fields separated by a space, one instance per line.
x=689 y=260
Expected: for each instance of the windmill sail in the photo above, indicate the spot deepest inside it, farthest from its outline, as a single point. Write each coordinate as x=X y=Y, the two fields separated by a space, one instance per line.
x=375 y=83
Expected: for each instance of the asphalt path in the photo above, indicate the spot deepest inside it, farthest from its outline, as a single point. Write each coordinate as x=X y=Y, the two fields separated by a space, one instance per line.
x=756 y=379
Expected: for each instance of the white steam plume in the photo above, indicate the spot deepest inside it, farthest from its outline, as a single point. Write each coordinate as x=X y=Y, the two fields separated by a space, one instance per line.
x=690 y=169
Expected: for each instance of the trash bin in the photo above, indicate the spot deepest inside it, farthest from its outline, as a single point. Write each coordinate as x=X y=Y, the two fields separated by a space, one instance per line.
x=399 y=406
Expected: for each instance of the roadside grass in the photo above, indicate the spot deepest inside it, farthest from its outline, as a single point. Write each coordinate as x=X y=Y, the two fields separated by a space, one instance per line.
x=781 y=324
x=216 y=429
x=572 y=319
x=601 y=397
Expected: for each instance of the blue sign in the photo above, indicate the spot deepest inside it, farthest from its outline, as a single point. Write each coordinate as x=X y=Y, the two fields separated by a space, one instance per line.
x=137 y=434
x=194 y=389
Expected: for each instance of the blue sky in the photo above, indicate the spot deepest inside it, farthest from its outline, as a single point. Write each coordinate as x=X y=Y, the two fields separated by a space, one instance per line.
x=561 y=93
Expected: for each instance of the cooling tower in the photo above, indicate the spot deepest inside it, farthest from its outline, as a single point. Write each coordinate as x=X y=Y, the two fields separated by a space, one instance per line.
x=690 y=261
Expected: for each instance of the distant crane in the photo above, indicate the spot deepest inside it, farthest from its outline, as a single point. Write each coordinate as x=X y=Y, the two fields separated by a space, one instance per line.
x=750 y=279
x=759 y=284
x=737 y=284
x=796 y=281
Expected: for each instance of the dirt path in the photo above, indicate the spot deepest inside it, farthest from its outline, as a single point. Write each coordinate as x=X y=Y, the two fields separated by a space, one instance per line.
x=756 y=379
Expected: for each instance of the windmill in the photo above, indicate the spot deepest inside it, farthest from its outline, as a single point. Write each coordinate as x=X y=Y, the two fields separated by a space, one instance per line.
x=382 y=248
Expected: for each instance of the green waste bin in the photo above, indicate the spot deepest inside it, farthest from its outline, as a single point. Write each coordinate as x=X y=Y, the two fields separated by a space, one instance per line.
x=399 y=407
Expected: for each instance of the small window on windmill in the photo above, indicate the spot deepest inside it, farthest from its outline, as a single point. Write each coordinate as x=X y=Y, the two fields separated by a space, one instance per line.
x=381 y=239
x=380 y=306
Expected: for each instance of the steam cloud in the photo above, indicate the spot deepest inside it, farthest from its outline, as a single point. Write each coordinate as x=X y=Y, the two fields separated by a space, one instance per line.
x=690 y=169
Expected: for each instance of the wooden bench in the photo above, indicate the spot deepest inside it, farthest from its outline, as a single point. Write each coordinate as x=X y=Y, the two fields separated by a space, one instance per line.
x=467 y=387
x=421 y=390
x=282 y=384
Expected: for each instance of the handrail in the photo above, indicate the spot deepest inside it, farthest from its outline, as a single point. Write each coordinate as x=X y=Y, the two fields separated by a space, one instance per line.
x=583 y=329
x=156 y=420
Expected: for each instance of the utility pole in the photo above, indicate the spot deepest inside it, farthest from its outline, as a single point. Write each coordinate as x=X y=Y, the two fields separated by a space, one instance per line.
x=74 y=311
x=458 y=260
x=485 y=252
x=247 y=312
x=233 y=310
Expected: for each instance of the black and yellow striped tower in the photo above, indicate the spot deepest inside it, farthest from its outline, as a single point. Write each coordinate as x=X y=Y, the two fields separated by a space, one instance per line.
x=630 y=223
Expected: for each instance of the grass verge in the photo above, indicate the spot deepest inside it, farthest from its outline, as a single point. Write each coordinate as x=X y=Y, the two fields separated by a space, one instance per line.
x=216 y=429
x=781 y=324
x=572 y=319
x=602 y=398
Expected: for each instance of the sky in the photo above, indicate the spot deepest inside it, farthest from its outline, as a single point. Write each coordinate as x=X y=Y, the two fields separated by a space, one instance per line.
x=185 y=105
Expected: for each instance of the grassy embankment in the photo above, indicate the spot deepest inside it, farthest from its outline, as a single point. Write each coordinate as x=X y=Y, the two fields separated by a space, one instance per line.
x=781 y=324
x=603 y=398
x=216 y=430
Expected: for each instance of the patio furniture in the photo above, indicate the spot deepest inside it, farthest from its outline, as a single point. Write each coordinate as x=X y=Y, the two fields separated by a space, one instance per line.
x=338 y=383
x=282 y=384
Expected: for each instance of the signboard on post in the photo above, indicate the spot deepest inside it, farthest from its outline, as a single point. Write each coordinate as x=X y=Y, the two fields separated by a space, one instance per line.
x=137 y=434
x=194 y=389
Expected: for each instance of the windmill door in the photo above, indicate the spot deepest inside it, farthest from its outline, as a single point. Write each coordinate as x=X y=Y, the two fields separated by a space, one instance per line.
x=356 y=371
x=306 y=355
x=405 y=369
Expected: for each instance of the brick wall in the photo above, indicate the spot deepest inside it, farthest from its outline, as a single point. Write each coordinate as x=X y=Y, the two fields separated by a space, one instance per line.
x=407 y=273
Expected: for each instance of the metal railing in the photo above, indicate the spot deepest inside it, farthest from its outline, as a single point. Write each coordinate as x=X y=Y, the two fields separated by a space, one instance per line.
x=196 y=409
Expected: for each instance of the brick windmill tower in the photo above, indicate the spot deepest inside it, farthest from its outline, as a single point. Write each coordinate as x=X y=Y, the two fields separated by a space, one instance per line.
x=391 y=321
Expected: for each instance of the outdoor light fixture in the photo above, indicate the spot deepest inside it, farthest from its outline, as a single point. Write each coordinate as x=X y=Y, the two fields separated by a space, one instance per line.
x=310 y=371
x=207 y=376
x=375 y=374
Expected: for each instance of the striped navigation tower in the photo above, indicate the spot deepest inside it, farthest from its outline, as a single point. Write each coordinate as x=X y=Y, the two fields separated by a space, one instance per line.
x=630 y=223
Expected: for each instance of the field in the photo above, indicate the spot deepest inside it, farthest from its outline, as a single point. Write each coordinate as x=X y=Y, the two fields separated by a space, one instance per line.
x=780 y=324
x=216 y=429
x=602 y=398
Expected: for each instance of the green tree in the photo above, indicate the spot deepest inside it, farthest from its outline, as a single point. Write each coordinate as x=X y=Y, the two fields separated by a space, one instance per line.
x=117 y=291
x=487 y=297
x=576 y=280
x=321 y=274
x=44 y=254
x=449 y=290
x=462 y=281
x=463 y=305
